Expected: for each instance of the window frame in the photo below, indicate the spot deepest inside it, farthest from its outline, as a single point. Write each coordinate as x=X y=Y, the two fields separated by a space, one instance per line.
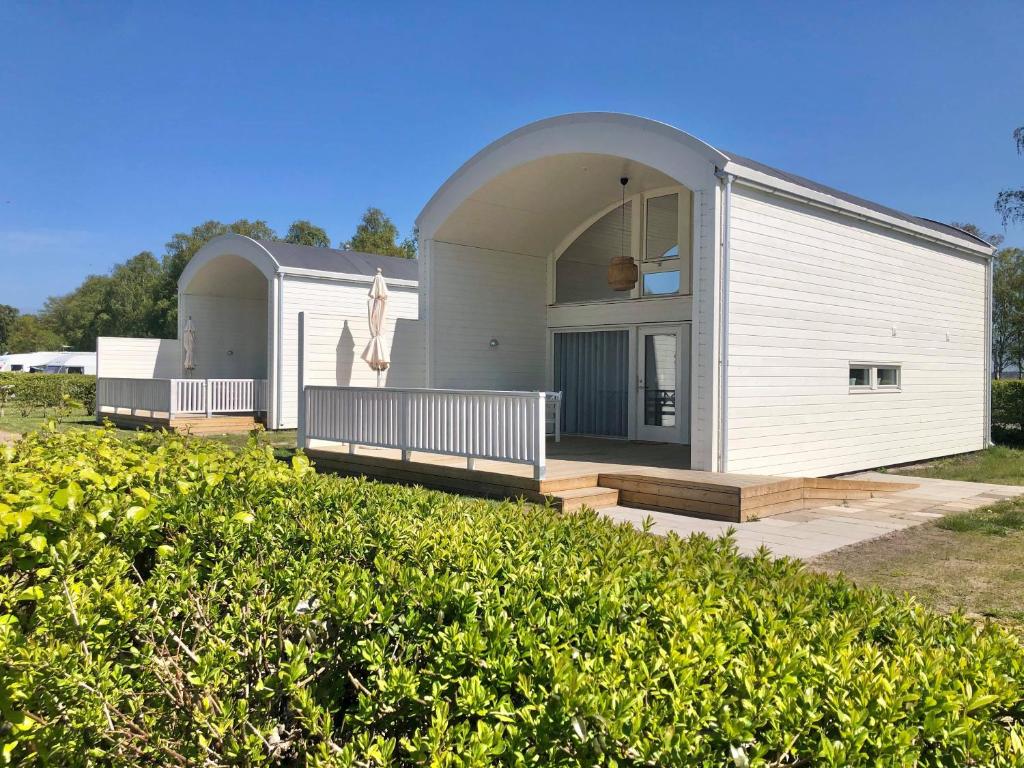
x=685 y=235
x=688 y=234
x=873 y=386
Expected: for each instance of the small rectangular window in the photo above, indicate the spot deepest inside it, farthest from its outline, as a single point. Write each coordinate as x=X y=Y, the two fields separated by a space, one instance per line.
x=661 y=283
x=869 y=377
x=860 y=376
x=888 y=376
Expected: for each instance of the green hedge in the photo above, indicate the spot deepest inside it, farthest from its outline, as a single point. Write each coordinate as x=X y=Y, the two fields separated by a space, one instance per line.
x=168 y=601
x=1008 y=403
x=47 y=390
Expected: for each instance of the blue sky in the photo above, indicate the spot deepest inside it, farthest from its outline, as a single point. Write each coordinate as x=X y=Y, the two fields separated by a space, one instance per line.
x=121 y=124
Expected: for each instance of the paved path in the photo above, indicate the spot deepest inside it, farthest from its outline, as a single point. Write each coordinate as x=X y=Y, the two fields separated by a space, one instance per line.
x=808 y=533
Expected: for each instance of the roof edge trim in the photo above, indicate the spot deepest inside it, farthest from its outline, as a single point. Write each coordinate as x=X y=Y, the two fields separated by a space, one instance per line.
x=775 y=185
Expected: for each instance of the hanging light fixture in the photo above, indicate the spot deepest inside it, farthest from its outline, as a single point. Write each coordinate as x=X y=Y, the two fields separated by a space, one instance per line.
x=622 y=270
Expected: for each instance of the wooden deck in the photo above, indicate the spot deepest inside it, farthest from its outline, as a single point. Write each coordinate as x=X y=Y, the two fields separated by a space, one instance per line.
x=192 y=425
x=596 y=473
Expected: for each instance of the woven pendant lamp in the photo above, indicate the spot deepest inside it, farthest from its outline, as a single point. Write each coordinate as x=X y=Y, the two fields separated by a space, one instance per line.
x=622 y=270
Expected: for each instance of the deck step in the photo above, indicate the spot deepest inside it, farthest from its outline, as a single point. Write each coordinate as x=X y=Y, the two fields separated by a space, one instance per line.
x=594 y=497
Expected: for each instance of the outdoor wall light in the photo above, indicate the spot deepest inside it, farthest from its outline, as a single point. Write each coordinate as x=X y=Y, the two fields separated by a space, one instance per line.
x=493 y=343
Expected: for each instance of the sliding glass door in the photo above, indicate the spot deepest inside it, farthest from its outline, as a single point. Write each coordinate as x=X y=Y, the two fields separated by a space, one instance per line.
x=592 y=372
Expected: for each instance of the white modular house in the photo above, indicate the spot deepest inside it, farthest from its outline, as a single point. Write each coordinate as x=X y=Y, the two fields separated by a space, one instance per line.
x=238 y=304
x=775 y=325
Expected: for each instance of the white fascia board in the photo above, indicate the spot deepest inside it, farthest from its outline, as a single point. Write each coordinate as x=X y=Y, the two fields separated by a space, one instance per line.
x=343 y=277
x=775 y=185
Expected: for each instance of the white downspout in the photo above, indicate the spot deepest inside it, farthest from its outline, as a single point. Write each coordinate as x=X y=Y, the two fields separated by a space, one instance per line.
x=989 y=279
x=279 y=418
x=723 y=344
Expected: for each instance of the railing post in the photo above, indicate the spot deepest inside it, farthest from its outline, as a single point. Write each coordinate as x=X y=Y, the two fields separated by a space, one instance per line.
x=404 y=427
x=172 y=398
x=540 y=459
x=208 y=398
x=300 y=426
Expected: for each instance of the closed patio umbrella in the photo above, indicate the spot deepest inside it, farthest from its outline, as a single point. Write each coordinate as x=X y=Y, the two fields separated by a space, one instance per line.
x=376 y=353
x=188 y=346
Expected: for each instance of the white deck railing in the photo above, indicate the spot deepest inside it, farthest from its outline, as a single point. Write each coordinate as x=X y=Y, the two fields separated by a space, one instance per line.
x=181 y=396
x=476 y=424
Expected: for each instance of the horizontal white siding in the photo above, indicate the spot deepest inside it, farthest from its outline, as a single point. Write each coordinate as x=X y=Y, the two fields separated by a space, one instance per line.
x=230 y=335
x=337 y=332
x=118 y=357
x=811 y=292
x=477 y=295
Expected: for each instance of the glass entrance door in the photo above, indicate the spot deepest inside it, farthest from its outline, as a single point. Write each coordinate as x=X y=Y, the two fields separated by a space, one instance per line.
x=662 y=407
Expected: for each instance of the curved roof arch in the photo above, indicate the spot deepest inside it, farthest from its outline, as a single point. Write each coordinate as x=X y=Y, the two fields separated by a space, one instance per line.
x=272 y=257
x=229 y=245
x=658 y=146
x=641 y=147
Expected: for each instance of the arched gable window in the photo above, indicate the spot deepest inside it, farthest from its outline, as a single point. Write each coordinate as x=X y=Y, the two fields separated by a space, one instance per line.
x=581 y=271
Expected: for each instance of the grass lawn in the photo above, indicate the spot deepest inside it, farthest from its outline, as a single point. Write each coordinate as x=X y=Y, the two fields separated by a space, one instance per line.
x=999 y=464
x=14 y=422
x=969 y=562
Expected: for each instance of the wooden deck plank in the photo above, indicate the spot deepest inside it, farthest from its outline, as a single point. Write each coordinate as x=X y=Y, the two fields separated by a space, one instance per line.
x=665 y=483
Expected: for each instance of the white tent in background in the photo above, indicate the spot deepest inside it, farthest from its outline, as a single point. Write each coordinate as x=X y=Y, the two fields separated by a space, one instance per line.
x=376 y=353
x=188 y=346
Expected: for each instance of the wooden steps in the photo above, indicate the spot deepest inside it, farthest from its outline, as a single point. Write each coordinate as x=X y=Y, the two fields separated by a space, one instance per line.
x=193 y=425
x=594 y=497
x=734 y=499
x=720 y=496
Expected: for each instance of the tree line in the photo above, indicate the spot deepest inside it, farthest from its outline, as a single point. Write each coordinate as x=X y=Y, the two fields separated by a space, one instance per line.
x=139 y=296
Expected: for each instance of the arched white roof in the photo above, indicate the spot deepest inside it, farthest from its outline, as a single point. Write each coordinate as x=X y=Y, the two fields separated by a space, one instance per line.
x=514 y=177
x=229 y=245
x=642 y=143
x=278 y=257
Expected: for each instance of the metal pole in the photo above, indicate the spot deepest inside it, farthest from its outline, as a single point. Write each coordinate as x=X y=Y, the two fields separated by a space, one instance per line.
x=300 y=436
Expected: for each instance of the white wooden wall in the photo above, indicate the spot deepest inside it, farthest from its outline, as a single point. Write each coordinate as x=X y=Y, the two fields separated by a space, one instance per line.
x=477 y=295
x=231 y=335
x=337 y=332
x=119 y=357
x=812 y=291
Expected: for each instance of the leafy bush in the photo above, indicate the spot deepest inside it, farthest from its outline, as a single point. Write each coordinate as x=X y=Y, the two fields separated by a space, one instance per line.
x=31 y=391
x=169 y=601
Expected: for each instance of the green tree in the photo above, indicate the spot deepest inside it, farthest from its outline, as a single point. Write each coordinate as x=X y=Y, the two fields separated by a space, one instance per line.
x=376 y=233
x=1010 y=202
x=8 y=315
x=129 y=307
x=78 y=316
x=305 y=232
x=1007 y=310
x=29 y=334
